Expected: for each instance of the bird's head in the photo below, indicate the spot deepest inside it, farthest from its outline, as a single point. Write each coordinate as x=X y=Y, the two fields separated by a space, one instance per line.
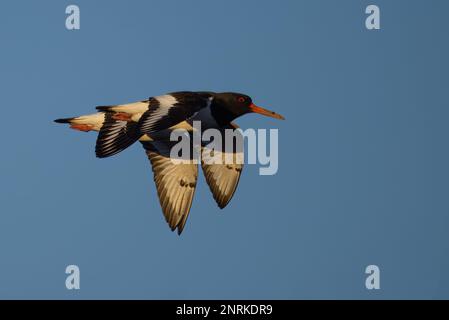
x=238 y=104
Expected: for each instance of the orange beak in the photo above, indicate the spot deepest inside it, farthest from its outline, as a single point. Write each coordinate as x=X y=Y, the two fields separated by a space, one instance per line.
x=265 y=112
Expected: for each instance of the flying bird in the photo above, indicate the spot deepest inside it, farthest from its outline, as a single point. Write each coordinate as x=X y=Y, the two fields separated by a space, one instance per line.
x=152 y=121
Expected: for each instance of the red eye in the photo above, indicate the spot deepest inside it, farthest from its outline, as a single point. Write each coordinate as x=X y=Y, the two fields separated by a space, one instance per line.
x=241 y=99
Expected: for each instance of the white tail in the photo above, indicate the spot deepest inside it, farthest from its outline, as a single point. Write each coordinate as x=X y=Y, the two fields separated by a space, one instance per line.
x=90 y=122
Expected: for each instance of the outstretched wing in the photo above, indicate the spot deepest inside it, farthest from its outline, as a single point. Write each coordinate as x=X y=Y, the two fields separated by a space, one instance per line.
x=170 y=109
x=175 y=183
x=222 y=167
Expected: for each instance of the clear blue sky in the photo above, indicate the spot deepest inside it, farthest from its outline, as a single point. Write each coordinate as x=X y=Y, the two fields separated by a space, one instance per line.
x=363 y=175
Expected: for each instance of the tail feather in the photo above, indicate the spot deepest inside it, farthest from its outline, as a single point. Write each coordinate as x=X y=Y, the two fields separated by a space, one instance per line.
x=85 y=123
x=104 y=108
x=64 y=120
x=115 y=136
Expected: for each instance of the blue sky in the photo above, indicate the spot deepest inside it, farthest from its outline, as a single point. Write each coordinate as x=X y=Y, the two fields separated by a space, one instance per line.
x=363 y=175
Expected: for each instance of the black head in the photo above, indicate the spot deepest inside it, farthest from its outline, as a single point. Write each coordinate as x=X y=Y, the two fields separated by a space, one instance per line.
x=238 y=104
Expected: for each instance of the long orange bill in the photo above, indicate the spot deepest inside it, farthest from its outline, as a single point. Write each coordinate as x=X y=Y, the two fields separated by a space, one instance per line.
x=265 y=112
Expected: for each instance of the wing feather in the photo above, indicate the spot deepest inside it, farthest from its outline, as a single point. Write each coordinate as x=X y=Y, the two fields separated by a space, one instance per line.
x=223 y=177
x=175 y=183
x=170 y=109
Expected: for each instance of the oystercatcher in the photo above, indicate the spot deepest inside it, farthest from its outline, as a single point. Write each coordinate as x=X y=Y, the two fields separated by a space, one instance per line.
x=151 y=122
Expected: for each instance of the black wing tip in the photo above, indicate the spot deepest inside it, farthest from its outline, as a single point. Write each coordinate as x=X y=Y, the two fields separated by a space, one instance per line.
x=100 y=155
x=222 y=205
x=63 y=120
x=178 y=228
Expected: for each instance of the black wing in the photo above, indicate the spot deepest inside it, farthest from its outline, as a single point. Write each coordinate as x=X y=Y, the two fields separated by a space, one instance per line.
x=115 y=136
x=170 y=109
